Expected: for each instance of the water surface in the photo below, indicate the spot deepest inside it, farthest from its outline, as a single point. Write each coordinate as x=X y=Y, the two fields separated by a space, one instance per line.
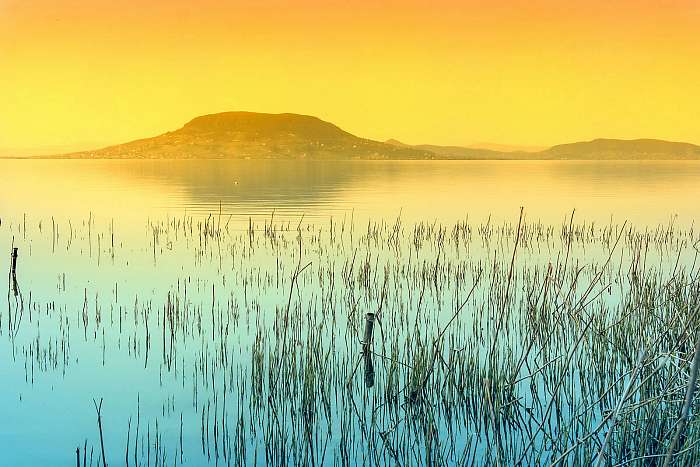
x=645 y=192
x=167 y=289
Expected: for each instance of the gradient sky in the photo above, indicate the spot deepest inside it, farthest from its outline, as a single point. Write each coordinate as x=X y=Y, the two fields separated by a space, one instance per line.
x=79 y=74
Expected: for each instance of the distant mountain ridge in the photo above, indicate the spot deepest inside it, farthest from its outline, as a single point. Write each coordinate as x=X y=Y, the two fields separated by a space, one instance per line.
x=637 y=149
x=249 y=135
x=598 y=149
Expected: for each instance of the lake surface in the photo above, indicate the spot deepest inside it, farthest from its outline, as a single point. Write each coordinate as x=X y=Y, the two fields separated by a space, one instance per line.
x=642 y=192
x=218 y=309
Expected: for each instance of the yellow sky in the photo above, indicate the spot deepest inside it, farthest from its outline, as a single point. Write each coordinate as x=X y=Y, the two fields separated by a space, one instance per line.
x=78 y=74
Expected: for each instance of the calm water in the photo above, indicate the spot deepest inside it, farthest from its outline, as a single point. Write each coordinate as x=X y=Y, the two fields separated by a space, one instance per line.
x=163 y=288
x=645 y=193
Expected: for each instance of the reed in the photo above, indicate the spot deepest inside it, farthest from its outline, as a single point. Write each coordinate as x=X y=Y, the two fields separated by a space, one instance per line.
x=494 y=343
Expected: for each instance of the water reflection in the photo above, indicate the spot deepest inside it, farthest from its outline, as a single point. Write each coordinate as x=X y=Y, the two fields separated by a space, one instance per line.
x=643 y=192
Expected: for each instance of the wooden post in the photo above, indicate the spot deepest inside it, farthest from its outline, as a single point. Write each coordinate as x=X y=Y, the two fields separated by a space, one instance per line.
x=14 y=260
x=369 y=368
x=369 y=329
x=15 y=285
x=77 y=456
x=367 y=351
x=13 y=271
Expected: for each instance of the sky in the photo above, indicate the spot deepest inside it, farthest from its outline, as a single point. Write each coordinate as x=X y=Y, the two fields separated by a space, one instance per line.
x=82 y=74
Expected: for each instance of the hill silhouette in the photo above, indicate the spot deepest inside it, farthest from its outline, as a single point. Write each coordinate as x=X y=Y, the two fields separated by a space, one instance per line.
x=616 y=149
x=249 y=135
x=242 y=135
x=598 y=149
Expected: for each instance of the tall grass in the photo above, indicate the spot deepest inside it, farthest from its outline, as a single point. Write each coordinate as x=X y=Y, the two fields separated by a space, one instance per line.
x=340 y=343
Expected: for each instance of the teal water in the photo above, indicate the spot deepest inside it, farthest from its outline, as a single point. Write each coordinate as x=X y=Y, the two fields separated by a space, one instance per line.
x=164 y=288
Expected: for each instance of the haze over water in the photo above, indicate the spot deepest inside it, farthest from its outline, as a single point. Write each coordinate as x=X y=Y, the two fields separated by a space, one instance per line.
x=644 y=193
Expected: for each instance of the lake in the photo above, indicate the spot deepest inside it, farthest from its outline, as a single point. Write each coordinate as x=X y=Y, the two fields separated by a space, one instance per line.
x=346 y=313
x=642 y=192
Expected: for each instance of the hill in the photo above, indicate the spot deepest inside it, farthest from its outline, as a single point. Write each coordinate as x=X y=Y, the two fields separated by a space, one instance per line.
x=248 y=135
x=459 y=152
x=598 y=149
x=617 y=149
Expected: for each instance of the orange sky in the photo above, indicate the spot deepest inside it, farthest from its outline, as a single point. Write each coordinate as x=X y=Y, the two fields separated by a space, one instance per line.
x=78 y=74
